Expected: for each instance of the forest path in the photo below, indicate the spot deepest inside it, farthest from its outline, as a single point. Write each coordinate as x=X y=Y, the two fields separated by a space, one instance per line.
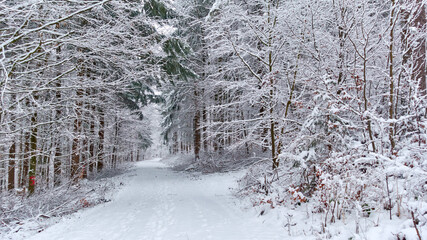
x=159 y=204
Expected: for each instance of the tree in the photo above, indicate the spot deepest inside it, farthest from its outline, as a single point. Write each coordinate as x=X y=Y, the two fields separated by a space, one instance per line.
x=71 y=72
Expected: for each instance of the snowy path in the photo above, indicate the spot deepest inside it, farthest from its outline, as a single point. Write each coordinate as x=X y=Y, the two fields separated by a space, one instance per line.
x=159 y=204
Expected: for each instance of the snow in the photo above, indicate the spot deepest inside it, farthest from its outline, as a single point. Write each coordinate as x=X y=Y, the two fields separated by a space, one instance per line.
x=158 y=203
x=166 y=29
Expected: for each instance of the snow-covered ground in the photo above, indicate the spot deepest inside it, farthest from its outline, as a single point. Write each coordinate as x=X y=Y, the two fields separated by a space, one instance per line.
x=158 y=203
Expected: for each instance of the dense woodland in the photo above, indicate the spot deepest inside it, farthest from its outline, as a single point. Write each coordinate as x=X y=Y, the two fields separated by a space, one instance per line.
x=325 y=99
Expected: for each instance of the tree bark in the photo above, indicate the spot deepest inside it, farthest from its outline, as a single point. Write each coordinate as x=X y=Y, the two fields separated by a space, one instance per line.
x=92 y=145
x=25 y=161
x=419 y=51
x=34 y=153
x=196 y=126
x=100 y=163
x=11 y=167
x=75 y=154
x=391 y=77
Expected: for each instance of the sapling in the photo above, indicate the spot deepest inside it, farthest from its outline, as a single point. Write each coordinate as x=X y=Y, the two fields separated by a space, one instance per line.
x=389 y=207
x=289 y=223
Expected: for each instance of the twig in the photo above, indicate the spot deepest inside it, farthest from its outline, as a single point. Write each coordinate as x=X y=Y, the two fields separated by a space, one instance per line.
x=415 y=225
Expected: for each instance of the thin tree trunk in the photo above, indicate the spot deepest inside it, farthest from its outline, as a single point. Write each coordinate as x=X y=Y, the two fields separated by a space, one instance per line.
x=100 y=163
x=34 y=153
x=419 y=72
x=196 y=126
x=51 y=173
x=114 y=156
x=75 y=154
x=205 y=129
x=274 y=153
x=25 y=161
x=56 y=160
x=92 y=153
x=391 y=77
x=92 y=148
x=57 y=165
x=11 y=167
x=365 y=98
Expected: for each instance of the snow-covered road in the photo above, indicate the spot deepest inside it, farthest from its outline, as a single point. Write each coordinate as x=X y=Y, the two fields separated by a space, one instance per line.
x=159 y=204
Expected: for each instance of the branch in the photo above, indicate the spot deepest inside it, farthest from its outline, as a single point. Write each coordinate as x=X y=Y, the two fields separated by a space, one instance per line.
x=12 y=40
x=244 y=62
x=255 y=56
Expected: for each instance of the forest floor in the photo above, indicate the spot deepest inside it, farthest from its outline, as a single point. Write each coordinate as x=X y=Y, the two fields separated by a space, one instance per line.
x=156 y=202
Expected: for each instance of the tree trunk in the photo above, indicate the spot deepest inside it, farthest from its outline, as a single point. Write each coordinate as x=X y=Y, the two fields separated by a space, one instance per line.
x=75 y=154
x=205 y=129
x=114 y=156
x=57 y=165
x=100 y=163
x=33 y=158
x=419 y=51
x=365 y=100
x=11 y=168
x=92 y=143
x=391 y=77
x=196 y=126
x=58 y=114
x=25 y=161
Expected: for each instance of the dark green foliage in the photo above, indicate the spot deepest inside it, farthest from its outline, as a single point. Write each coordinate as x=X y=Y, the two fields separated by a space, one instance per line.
x=145 y=141
x=144 y=30
x=139 y=94
x=173 y=66
x=158 y=10
x=172 y=107
x=185 y=61
x=175 y=47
